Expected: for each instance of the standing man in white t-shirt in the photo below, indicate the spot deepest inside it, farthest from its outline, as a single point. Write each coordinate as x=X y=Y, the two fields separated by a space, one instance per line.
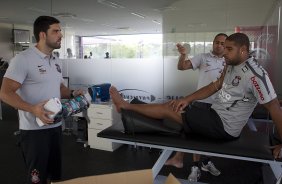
x=210 y=66
x=33 y=77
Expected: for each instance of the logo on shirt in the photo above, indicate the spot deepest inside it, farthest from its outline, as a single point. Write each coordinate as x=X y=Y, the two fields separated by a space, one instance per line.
x=256 y=85
x=245 y=68
x=35 y=176
x=41 y=69
x=223 y=95
x=58 y=68
x=236 y=80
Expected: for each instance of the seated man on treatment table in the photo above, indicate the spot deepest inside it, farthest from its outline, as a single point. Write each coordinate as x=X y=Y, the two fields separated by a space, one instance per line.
x=242 y=84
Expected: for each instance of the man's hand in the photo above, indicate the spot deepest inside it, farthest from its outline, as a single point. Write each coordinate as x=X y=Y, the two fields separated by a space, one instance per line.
x=178 y=105
x=77 y=92
x=276 y=151
x=181 y=49
x=41 y=113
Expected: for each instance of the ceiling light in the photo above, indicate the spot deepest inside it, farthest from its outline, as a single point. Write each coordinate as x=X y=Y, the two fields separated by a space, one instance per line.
x=109 y=3
x=65 y=15
x=138 y=15
x=87 y=20
x=123 y=28
x=155 y=21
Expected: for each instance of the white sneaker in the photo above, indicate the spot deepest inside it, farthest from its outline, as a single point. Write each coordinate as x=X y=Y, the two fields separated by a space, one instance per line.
x=211 y=169
x=195 y=174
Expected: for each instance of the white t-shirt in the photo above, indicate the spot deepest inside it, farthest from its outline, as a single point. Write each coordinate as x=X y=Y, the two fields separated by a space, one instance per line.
x=40 y=76
x=210 y=68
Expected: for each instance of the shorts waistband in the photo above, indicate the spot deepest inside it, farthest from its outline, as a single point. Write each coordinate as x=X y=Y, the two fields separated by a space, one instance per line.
x=202 y=105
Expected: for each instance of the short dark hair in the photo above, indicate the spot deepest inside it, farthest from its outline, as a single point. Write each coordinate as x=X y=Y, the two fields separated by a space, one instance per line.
x=221 y=34
x=42 y=24
x=240 y=39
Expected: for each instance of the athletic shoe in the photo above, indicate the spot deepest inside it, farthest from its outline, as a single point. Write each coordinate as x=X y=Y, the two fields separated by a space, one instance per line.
x=195 y=174
x=210 y=168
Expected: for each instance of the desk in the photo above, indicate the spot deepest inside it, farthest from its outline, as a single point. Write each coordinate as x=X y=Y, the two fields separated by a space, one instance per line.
x=251 y=146
x=101 y=116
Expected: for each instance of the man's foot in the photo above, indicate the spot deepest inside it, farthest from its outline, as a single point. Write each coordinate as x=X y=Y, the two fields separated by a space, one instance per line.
x=210 y=168
x=195 y=174
x=117 y=99
x=174 y=162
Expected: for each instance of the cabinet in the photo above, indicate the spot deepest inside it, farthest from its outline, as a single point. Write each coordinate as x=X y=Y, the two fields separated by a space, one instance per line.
x=101 y=116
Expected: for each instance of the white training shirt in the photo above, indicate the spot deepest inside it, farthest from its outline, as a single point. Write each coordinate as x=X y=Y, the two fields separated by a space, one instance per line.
x=40 y=76
x=243 y=86
x=210 y=68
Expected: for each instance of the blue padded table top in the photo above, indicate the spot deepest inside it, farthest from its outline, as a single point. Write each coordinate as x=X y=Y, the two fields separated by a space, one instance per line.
x=250 y=144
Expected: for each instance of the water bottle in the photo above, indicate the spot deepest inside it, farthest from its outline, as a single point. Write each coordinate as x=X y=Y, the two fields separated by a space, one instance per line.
x=98 y=95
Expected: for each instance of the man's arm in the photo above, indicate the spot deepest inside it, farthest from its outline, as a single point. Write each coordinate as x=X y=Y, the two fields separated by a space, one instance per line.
x=66 y=93
x=8 y=95
x=205 y=92
x=183 y=64
x=276 y=114
x=200 y=94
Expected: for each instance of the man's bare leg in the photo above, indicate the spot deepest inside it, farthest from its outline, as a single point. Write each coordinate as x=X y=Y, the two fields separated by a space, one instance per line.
x=176 y=160
x=196 y=157
x=157 y=111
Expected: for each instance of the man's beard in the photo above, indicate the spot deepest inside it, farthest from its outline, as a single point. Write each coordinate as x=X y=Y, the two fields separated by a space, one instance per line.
x=54 y=45
x=234 y=62
x=218 y=52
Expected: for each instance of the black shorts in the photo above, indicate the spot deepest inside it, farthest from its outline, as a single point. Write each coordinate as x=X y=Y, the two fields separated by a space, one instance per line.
x=205 y=122
x=42 y=152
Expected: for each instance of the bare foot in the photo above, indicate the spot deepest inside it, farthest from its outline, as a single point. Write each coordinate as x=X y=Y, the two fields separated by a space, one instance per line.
x=117 y=99
x=174 y=162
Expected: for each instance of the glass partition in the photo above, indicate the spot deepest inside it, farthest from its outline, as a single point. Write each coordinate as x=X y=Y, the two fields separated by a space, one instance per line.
x=189 y=22
x=153 y=69
x=139 y=78
x=123 y=46
x=197 y=22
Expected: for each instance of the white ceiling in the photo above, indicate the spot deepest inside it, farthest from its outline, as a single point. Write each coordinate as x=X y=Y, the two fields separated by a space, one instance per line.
x=89 y=17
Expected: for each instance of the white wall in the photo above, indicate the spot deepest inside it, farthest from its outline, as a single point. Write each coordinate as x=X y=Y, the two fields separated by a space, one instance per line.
x=150 y=80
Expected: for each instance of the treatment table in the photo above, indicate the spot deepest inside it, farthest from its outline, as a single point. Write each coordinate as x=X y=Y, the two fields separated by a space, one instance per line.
x=251 y=146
